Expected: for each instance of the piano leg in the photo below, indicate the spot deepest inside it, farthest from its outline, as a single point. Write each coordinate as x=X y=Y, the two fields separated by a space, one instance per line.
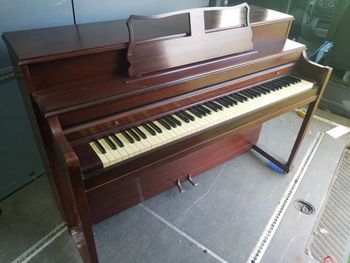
x=83 y=234
x=302 y=131
x=74 y=192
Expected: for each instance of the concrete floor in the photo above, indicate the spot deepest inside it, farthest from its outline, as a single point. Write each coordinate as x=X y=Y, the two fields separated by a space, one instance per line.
x=220 y=220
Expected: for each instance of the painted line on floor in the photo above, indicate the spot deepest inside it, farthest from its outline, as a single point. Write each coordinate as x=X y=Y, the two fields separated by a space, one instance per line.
x=327 y=121
x=41 y=244
x=201 y=246
x=271 y=227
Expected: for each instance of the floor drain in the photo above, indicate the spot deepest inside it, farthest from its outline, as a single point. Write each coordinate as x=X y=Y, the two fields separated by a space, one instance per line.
x=304 y=207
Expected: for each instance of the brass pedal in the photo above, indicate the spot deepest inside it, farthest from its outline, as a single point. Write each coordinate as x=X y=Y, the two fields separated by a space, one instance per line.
x=191 y=180
x=179 y=185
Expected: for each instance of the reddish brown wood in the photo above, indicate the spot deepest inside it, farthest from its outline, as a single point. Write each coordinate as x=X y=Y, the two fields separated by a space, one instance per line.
x=141 y=184
x=72 y=167
x=77 y=76
x=110 y=93
x=148 y=112
x=155 y=55
x=321 y=75
x=31 y=46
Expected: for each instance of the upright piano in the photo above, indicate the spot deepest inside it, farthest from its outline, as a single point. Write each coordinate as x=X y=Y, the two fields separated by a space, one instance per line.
x=128 y=109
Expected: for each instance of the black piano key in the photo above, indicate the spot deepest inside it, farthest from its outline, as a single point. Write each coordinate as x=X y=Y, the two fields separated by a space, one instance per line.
x=253 y=93
x=177 y=122
x=236 y=97
x=270 y=85
x=295 y=79
x=164 y=124
x=210 y=106
x=188 y=116
x=195 y=112
x=203 y=113
x=169 y=121
x=140 y=133
x=134 y=134
x=280 y=83
x=284 y=81
x=128 y=137
x=149 y=129
x=182 y=117
x=222 y=102
x=174 y=120
x=263 y=88
x=245 y=93
x=110 y=143
x=117 y=140
x=155 y=127
x=230 y=103
x=217 y=105
x=204 y=109
x=254 y=89
x=287 y=79
x=257 y=89
x=267 y=87
x=232 y=100
x=245 y=98
x=99 y=146
x=276 y=84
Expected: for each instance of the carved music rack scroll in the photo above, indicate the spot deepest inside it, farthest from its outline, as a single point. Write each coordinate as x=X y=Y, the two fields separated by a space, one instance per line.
x=213 y=32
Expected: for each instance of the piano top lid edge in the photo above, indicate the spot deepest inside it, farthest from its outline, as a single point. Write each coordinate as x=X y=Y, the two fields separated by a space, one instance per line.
x=48 y=44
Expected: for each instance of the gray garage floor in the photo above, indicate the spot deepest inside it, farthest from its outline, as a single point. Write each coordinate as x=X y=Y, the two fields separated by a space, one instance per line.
x=220 y=220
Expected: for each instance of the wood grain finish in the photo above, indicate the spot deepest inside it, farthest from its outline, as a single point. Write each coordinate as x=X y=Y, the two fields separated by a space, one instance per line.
x=176 y=51
x=141 y=184
x=73 y=102
x=72 y=168
x=77 y=77
x=48 y=44
x=166 y=106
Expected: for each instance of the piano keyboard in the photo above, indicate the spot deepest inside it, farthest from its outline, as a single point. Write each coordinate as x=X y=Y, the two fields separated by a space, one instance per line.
x=137 y=140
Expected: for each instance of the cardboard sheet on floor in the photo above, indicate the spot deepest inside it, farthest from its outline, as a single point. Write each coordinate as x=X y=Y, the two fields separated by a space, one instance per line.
x=338 y=131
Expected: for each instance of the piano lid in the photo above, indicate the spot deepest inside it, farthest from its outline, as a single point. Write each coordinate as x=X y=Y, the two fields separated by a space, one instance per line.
x=39 y=45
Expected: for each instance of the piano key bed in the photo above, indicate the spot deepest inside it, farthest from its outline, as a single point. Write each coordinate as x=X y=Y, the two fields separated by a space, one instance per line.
x=134 y=141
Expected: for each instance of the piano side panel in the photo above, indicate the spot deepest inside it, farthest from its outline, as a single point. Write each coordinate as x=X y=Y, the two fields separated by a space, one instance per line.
x=141 y=184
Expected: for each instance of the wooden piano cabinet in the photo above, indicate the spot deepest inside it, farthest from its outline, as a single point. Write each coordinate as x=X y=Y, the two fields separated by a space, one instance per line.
x=124 y=191
x=77 y=77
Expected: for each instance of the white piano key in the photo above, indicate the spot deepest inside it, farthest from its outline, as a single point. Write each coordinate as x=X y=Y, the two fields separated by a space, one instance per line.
x=129 y=147
x=101 y=156
x=154 y=140
x=215 y=117
x=109 y=152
